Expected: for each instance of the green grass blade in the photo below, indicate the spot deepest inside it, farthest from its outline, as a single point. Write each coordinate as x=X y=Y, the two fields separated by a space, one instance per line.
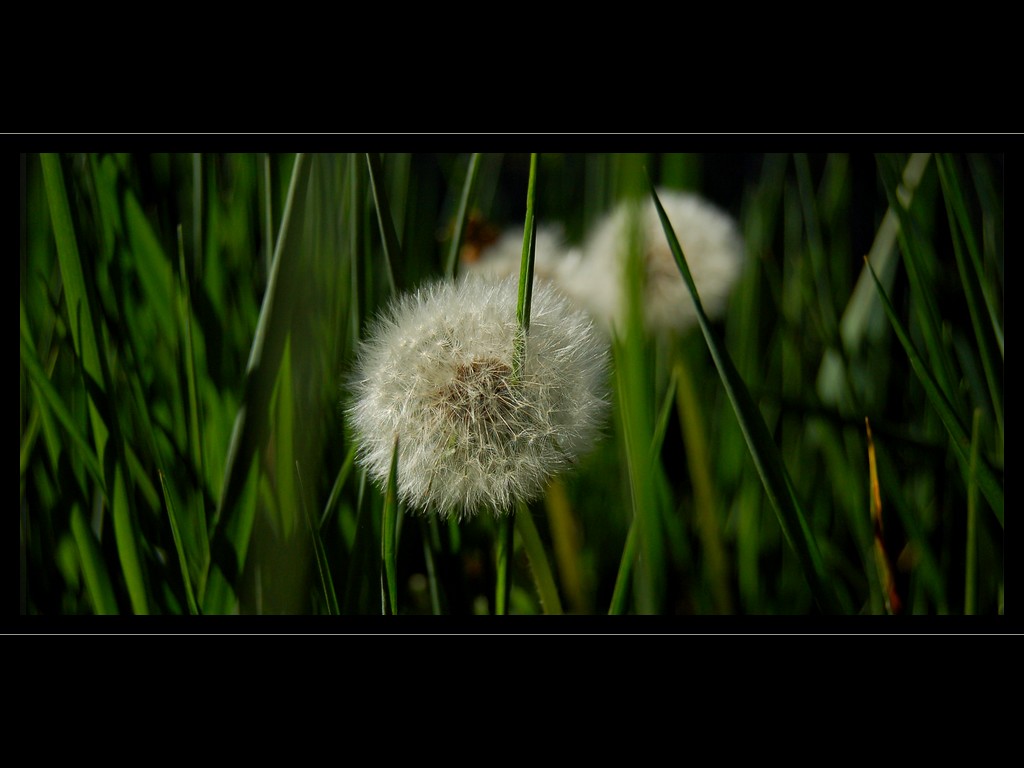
x=661 y=425
x=193 y=607
x=507 y=524
x=322 y=564
x=621 y=591
x=986 y=478
x=762 y=448
x=917 y=258
x=229 y=539
x=534 y=547
x=957 y=214
x=339 y=483
x=526 y=272
x=863 y=318
x=49 y=397
x=459 y=230
x=698 y=456
x=392 y=248
x=389 y=542
x=971 y=580
x=97 y=580
x=506 y=543
x=949 y=179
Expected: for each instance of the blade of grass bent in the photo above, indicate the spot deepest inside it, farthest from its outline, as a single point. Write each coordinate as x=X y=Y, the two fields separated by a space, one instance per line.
x=986 y=478
x=763 y=450
x=459 y=230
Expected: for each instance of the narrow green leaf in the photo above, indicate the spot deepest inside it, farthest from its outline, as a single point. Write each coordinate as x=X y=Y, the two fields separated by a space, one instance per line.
x=231 y=527
x=986 y=478
x=392 y=248
x=339 y=483
x=954 y=196
x=762 y=448
x=957 y=214
x=389 y=540
x=917 y=254
x=127 y=548
x=661 y=425
x=97 y=581
x=526 y=273
x=459 y=230
x=863 y=318
x=322 y=564
x=534 y=548
x=179 y=545
x=506 y=543
x=48 y=395
x=971 y=580
x=621 y=590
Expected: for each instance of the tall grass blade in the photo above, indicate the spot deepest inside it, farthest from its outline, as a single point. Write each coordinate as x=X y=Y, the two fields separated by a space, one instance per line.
x=917 y=257
x=863 y=318
x=231 y=528
x=389 y=540
x=339 y=483
x=960 y=225
x=987 y=481
x=49 y=397
x=971 y=567
x=97 y=580
x=87 y=343
x=459 y=230
x=763 y=450
x=503 y=559
x=392 y=248
x=534 y=548
x=193 y=607
x=322 y=564
x=620 y=593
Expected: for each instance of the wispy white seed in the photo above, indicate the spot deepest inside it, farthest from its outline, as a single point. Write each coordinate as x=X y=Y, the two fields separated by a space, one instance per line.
x=436 y=370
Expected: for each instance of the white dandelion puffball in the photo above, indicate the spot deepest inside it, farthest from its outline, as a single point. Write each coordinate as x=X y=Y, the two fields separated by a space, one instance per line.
x=436 y=371
x=711 y=243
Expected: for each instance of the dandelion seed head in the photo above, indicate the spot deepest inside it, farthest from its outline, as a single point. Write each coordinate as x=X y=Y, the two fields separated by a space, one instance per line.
x=503 y=257
x=437 y=371
x=711 y=243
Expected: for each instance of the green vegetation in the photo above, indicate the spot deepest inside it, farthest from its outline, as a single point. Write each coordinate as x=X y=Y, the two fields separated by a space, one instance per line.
x=188 y=323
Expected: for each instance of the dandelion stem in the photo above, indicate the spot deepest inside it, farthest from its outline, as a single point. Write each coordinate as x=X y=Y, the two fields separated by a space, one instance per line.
x=504 y=587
